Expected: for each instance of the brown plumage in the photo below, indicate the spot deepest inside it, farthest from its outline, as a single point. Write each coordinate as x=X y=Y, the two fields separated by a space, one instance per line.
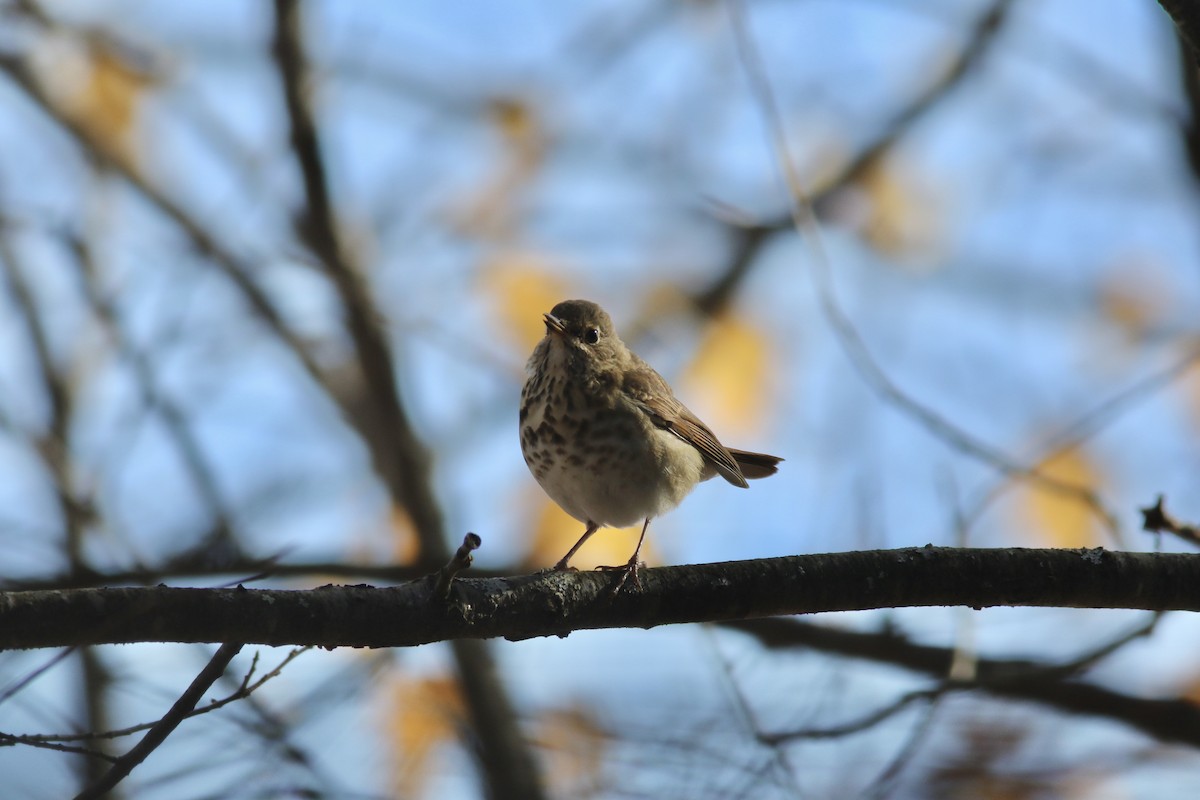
x=605 y=436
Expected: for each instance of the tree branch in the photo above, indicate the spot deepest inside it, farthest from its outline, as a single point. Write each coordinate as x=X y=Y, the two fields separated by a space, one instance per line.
x=163 y=728
x=555 y=603
x=1168 y=720
x=1186 y=16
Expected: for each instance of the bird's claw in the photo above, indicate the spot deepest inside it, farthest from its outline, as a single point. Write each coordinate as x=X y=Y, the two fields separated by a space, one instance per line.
x=627 y=571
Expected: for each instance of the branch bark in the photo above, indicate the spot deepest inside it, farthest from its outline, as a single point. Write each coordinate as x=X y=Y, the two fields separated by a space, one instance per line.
x=553 y=603
x=1186 y=16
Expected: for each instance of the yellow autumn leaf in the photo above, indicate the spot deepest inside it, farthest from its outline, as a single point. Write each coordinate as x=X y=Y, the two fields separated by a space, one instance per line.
x=422 y=715
x=1057 y=519
x=406 y=545
x=902 y=217
x=1191 y=691
x=727 y=383
x=490 y=211
x=522 y=287
x=518 y=124
x=1135 y=297
x=573 y=744
x=99 y=85
x=556 y=531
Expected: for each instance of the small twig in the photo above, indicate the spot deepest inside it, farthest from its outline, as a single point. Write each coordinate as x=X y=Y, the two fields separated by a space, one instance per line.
x=461 y=559
x=883 y=785
x=163 y=728
x=8 y=740
x=17 y=686
x=864 y=723
x=1156 y=519
x=245 y=689
x=804 y=220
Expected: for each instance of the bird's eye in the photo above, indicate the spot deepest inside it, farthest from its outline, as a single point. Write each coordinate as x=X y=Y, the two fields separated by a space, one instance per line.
x=591 y=336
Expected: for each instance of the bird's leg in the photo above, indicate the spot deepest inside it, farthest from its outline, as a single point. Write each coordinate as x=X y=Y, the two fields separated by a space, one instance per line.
x=592 y=527
x=630 y=569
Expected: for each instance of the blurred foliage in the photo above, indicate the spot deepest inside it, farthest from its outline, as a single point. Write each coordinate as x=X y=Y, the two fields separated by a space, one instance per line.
x=1008 y=221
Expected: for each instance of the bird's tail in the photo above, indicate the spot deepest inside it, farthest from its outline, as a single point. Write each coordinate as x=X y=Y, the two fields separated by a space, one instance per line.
x=755 y=465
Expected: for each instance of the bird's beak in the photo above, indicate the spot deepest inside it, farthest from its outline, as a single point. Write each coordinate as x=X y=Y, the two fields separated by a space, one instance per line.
x=554 y=325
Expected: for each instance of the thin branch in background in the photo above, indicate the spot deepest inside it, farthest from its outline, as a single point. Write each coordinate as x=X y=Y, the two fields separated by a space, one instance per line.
x=804 y=219
x=749 y=239
x=1093 y=421
x=55 y=449
x=52 y=446
x=886 y=781
x=398 y=455
x=747 y=717
x=17 y=686
x=1156 y=520
x=1050 y=685
x=235 y=572
x=159 y=732
x=9 y=740
x=245 y=689
x=404 y=464
x=205 y=242
x=221 y=544
x=863 y=723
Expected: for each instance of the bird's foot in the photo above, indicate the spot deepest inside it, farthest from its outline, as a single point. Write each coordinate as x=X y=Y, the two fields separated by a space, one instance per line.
x=562 y=566
x=627 y=571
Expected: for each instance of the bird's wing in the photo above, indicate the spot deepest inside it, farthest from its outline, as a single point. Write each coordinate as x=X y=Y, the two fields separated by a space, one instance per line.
x=650 y=392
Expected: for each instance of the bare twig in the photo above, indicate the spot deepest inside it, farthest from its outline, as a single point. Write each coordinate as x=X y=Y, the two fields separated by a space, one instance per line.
x=234 y=572
x=175 y=423
x=233 y=267
x=245 y=689
x=1156 y=519
x=1051 y=685
x=399 y=456
x=458 y=562
x=15 y=688
x=54 y=448
x=883 y=784
x=804 y=220
x=750 y=239
x=863 y=723
x=1095 y=420
x=163 y=728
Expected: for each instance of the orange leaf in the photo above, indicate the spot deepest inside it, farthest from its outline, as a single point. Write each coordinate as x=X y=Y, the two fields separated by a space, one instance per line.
x=1058 y=519
x=100 y=86
x=901 y=218
x=1136 y=298
x=406 y=546
x=574 y=744
x=727 y=381
x=556 y=532
x=423 y=715
x=523 y=288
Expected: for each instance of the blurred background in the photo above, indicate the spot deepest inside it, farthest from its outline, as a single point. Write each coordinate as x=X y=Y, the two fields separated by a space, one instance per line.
x=271 y=271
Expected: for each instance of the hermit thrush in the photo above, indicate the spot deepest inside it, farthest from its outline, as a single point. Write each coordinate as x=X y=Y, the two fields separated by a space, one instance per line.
x=604 y=435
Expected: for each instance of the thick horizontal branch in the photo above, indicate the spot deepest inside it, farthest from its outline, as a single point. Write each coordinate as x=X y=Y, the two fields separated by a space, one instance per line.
x=549 y=603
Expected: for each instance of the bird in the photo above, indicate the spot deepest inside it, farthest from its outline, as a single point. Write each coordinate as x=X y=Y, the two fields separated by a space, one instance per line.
x=606 y=438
